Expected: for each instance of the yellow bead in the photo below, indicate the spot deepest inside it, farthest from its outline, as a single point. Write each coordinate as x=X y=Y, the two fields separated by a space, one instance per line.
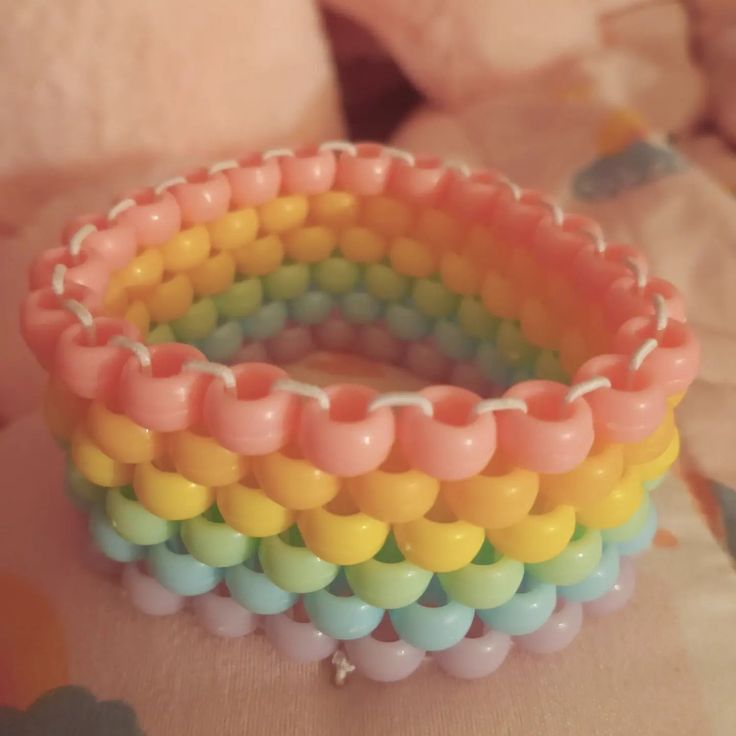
x=482 y=250
x=573 y=350
x=170 y=299
x=63 y=410
x=499 y=296
x=334 y=209
x=214 y=276
x=144 y=270
x=115 y=301
x=203 y=460
x=310 y=244
x=657 y=467
x=250 y=511
x=234 y=229
x=342 y=539
x=95 y=465
x=120 y=437
x=187 y=249
x=617 y=507
x=284 y=213
x=650 y=448
x=459 y=274
x=538 y=537
x=440 y=230
x=169 y=495
x=539 y=324
x=411 y=258
x=260 y=257
x=362 y=245
x=523 y=272
x=138 y=315
x=386 y=215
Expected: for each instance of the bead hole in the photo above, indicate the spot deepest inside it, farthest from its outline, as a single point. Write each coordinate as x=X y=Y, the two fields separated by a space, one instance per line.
x=385 y=631
x=548 y=406
x=350 y=403
x=197 y=176
x=454 y=410
x=169 y=361
x=368 y=150
x=256 y=380
x=487 y=554
x=389 y=553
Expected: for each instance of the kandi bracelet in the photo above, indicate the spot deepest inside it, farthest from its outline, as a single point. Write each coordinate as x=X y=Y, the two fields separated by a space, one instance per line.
x=495 y=506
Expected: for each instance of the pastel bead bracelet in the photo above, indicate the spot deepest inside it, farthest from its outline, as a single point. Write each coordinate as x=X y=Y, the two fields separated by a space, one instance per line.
x=166 y=323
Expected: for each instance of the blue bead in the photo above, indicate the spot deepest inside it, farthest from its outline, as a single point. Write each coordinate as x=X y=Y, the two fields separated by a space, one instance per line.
x=311 y=308
x=360 y=308
x=341 y=617
x=180 y=572
x=110 y=543
x=252 y=589
x=630 y=528
x=599 y=582
x=268 y=321
x=527 y=611
x=407 y=323
x=452 y=340
x=492 y=365
x=223 y=342
x=643 y=540
x=651 y=485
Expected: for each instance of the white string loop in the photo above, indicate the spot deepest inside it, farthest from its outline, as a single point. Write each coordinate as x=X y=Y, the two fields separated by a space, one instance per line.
x=140 y=351
x=57 y=279
x=639 y=273
x=277 y=153
x=75 y=243
x=223 y=372
x=120 y=207
x=642 y=353
x=168 y=183
x=585 y=387
x=83 y=316
x=513 y=187
x=661 y=313
x=501 y=404
x=340 y=146
x=307 y=390
x=399 y=153
x=403 y=398
x=216 y=168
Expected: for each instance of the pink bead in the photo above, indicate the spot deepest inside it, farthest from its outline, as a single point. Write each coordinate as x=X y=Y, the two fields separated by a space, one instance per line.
x=116 y=245
x=469 y=376
x=475 y=657
x=204 y=198
x=251 y=352
x=473 y=198
x=632 y=408
x=366 y=172
x=514 y=222
x=346 y=439
x=255 y=420
x=92 y=369
x=335 y=334
x=73 y=224
x=309 y=171
x=297 y=640
x=43 y=318
x=377 y=343
x=254 y=181
x=422 y=183
x=147 y=594
x=383 y=661
x=624 y=300
x=556 y=247
x=425 y=361
x=453 y=444
x=558 y=631
x=619 y=595
x=674 y=362
x=155 y=218
x=87 y=268
x=223 y=616
x=166 y=398
x=593 y=272
x=291 y=344
x=554 y=436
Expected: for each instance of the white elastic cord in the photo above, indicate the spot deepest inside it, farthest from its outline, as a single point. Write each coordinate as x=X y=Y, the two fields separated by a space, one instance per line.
x=57 y=279
x=75 y=243
x=586 y=387
x=458 y=166
x=661 y=312
x=140 y=351
x=638 y=271
x=120 y=207
x=216 y=168
x=502 y=404
x=343 y=146
x=558 y=216
x=596 y=237
x=304 y=389
x=642 y=353
x=343 y=667
x=514 y=188
x=223 y=372
x=403 y=398
x=168 y=183
x=277 y=153
x=398 y=153
x=84 y=317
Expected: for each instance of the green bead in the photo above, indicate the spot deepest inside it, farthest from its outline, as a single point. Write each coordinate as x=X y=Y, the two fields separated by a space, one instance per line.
x=575 y=563
x=159 y=334
x=268 y=321
x=547 y=366
x=79 y=490
x=336 y=275
x=360 y=308
x=512 y=344
x=241 y=299
x=197 y=322
x=287 y=282
x=475 y=320
x=407 y=323
x=433 y=298
x=215 y=543
x=452 y=341
x=311 y=308
x=133 y=522
x=294 y=568
x=222 y=344
x=382 y=282
x=631 y=528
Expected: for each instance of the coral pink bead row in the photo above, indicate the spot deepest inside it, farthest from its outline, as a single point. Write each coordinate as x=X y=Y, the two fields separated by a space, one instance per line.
x=448 y=432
